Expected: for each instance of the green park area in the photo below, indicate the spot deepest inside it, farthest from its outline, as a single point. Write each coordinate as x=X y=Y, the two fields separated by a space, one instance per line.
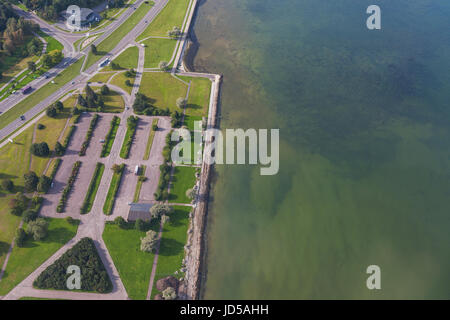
x=171 y=16
x=157 y=50
x=182 y=180
x=171 y=250
x=163 y=89
x=126 y=60
x=134 y=266
x=198 y=101
x=8 y=226
x=120 y=80
x=26 y=259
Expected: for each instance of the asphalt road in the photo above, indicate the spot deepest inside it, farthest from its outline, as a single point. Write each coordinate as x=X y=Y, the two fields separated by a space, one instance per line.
x=83 y=76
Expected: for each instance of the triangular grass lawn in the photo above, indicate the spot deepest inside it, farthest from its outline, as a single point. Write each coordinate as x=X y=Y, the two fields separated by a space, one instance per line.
x=94 y=277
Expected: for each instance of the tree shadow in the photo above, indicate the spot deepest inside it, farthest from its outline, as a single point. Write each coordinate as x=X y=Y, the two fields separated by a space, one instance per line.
x=4 y=247
x=170 y=247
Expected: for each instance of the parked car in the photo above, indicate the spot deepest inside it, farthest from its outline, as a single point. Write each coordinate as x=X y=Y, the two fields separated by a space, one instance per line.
x=22 y=117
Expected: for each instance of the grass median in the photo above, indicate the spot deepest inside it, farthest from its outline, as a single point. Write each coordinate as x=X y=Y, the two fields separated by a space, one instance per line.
x=113 y=188
x=111 y=135
x=151 y=136
x=39 y=95
x=93 y=187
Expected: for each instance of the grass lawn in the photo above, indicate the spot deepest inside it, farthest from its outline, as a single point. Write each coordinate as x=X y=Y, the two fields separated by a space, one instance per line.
x=8 y=226
x=93 y=187
x=15 y=158
x=126 y=60
x=102 y=77
x=171 y=251
x=113 y=102
x=25 y=260
x=163 y=89
x=171 y=16
x=189 y=121
x=52 y=43
x=133 y=265
x=114 y=38
x=137 y=191
x=110 y=136
x=50 y=134
x=64 y=77
x=198 y=101
x=157 y=50
x=112 y=191
x=183 y=179
x=151 y=136
x=119 y=80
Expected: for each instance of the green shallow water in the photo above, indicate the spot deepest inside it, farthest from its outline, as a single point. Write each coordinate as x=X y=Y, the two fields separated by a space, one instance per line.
x=364 y=149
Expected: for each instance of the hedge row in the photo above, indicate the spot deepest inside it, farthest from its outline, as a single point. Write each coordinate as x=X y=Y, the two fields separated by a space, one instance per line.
x=112 y=191
x=66 y=191
x=110 y=135
x=165 y=169
x=129 y=136
x=55 y=168
x=92 y=189
x=89 y=134
x=68 y=137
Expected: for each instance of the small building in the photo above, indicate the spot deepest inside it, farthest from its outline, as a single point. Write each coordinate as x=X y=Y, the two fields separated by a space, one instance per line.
x=87 y=17
x=139 y=211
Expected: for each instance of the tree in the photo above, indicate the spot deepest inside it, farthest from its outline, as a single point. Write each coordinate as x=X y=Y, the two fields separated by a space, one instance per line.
x=115 y=66
x=139 y=225
x=149 y=242
x=81 y=101
x=44 y=184
x=20 y=237
x=164 y=65
x=29 y=215
x=116 y=168
x=31 y=181
x=93 y=49
x=59 y=149
x=59 y=106
x=128 y=83
x=155 y=127
x=51 y=112
x=40 y=149
x=174 y=33
x=38 y=229
x=169 y=294
x=160 y=209
x=47 y=61
x=90 y=94
x=31 y=66
x=8 y=185
x=120 y=222
x=181 y=103
x=104 y=90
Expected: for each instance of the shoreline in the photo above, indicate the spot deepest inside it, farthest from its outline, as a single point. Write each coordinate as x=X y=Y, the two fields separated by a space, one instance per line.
x=195 y=248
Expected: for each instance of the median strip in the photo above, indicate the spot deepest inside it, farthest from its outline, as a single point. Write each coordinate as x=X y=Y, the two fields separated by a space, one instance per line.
x=113 y=188
x=111 y=135
x=151 y=136
x=93 y=187
x=65 y=194
x=129 y=135
x=89 y=134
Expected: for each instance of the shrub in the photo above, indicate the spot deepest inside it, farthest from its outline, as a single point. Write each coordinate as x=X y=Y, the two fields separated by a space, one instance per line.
x=59 y=149
x=190 y=193
x=104 y=90
x=169 y=294
x=164 y=65
x=139 y=225
x=20 y=238
x=66 y=190
x=89 y=134
x=59 y=106
x=44 y=184
x=40 y=126
x=51 y=112
x=71 y=221
x=8 y=185
x=128 y=83
x=120 y=222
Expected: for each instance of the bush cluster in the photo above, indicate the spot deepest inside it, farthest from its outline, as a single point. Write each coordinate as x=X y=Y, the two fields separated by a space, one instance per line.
x=40 y=149
x=93 y=273
x=142 y=105
x=89 y=134
x=66 y=191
